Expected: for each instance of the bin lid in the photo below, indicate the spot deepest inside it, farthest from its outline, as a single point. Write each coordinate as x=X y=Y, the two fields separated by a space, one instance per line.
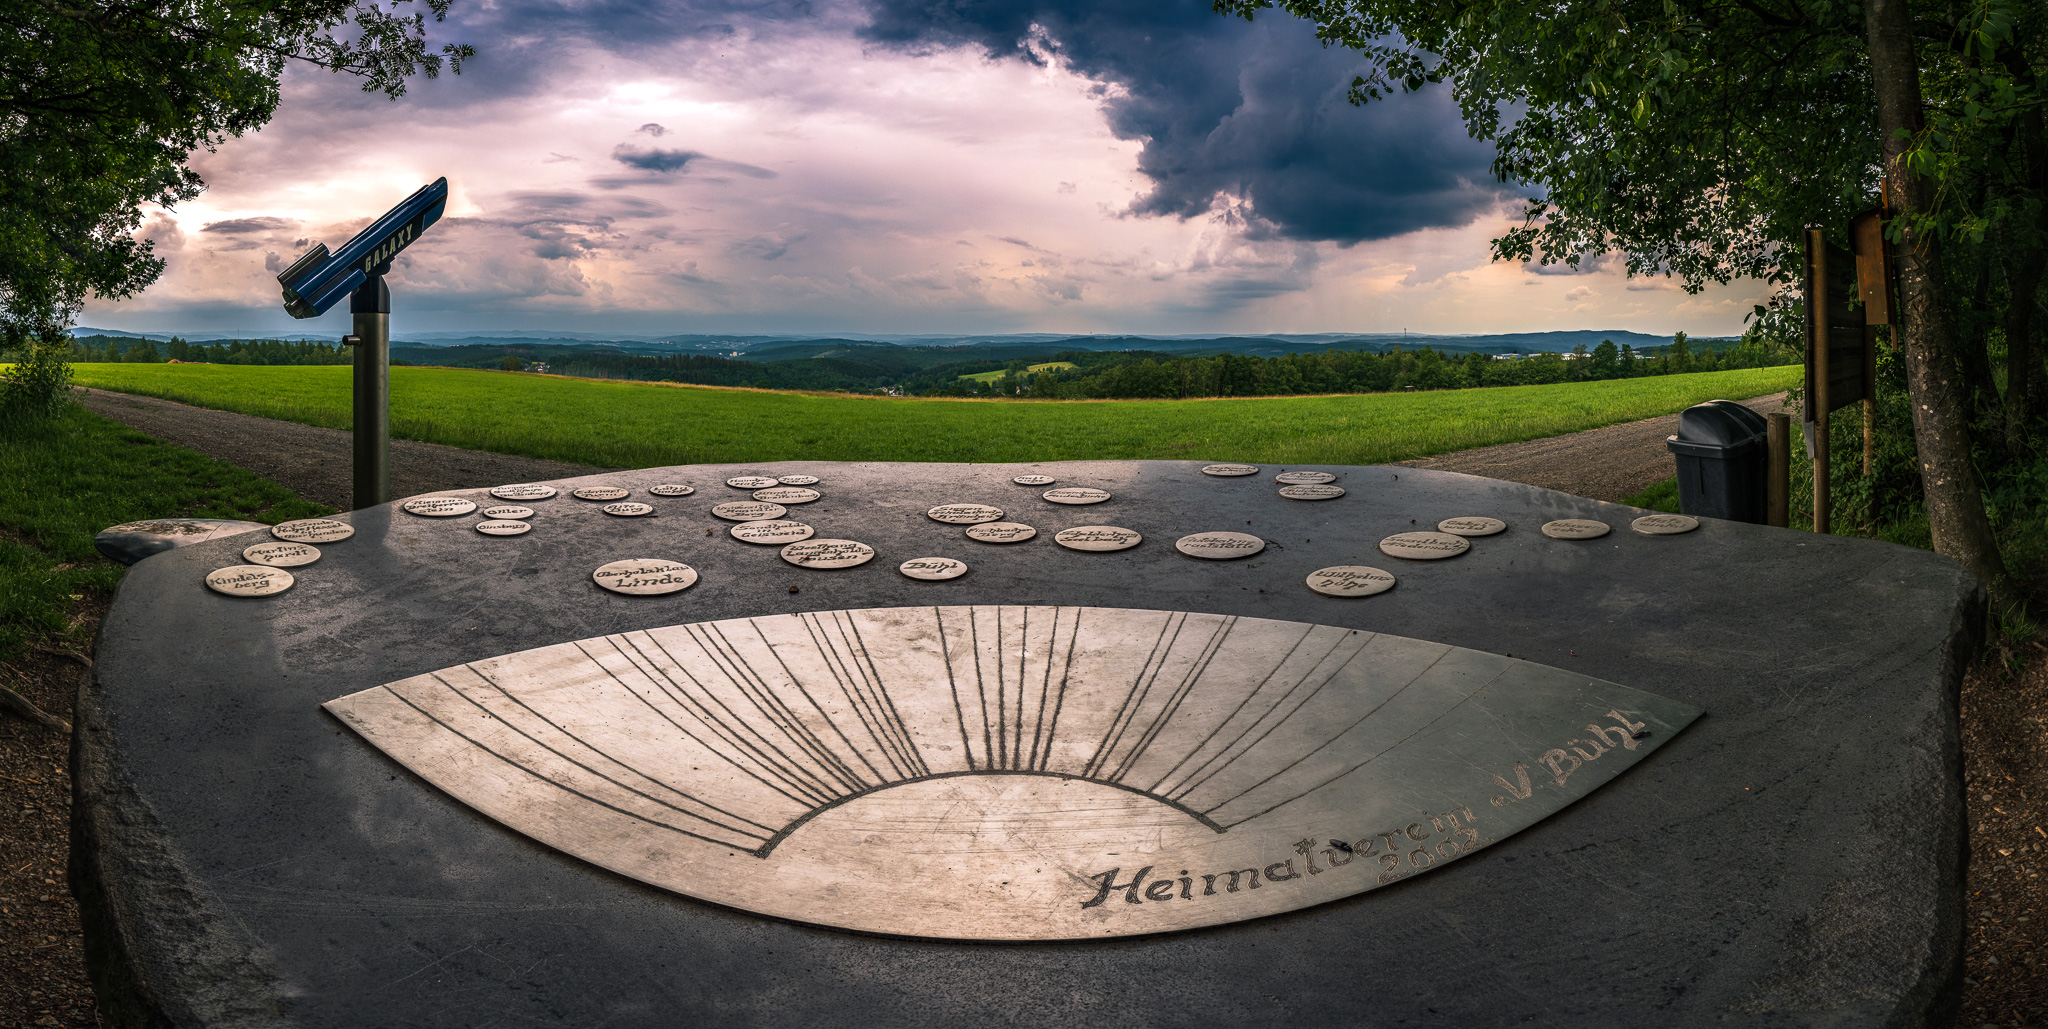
x=1721 y=423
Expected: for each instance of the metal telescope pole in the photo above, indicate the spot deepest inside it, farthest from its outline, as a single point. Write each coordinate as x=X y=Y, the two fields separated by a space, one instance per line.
x=371 y=306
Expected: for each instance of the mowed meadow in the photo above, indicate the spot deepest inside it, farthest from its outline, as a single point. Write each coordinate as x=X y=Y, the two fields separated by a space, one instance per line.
x=637 y=424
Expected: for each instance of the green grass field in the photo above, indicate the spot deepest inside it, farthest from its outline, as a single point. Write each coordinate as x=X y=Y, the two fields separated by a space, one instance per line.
x=63 y=481
x=628 y=424
x=1029 y=369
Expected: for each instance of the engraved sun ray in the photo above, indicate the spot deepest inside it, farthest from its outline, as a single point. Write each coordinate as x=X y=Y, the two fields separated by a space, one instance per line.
x=654 y=751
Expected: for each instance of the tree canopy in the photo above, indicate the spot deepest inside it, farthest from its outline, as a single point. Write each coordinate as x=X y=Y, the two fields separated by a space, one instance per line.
x=1697 y=138
x=103 y=101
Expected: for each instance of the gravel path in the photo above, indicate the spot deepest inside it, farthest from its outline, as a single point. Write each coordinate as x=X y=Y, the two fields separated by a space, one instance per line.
x=1604 y=464
x=315 y=462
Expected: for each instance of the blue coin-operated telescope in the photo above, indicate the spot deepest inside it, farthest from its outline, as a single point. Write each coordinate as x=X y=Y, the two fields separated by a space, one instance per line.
x=314 y=282
x=318 y=280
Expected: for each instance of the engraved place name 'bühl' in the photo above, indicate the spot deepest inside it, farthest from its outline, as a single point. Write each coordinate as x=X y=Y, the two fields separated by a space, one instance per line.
x=1408 y=850
x=1562 y=764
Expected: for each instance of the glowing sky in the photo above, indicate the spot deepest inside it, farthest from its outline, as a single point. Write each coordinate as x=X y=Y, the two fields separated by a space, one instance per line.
x=892 y=166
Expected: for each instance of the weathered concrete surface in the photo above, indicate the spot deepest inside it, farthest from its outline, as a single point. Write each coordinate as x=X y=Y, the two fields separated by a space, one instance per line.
x=1793 y=858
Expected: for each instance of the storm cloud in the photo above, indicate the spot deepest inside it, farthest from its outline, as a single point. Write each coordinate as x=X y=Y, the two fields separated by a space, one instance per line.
x=1224 y=108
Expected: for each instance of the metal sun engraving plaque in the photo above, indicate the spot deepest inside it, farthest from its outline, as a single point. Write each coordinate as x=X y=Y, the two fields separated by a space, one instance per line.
x=671 y=489
x=797 y=480
x=1013 y=773
x=1230 y=471
x=600 y=493
x=1034 y=480
x=512 y=511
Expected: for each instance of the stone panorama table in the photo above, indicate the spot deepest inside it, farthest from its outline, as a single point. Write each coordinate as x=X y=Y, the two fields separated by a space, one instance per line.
x=445 y=777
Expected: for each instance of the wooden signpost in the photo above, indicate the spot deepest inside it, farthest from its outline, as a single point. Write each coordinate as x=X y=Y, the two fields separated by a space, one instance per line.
x=1847 y=297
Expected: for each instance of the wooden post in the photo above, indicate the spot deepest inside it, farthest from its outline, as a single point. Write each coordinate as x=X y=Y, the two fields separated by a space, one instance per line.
x=1778 y=484
x=1817 y=346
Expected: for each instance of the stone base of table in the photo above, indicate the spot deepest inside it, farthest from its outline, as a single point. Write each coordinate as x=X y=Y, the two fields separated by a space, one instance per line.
x=1793 y=858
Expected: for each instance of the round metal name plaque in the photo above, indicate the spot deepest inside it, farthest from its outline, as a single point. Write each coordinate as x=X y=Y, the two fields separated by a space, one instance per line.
x=671 y=489
x=513 y=511
x=1051 y=773
x=1312 y=491
x=964 y=514
x=787 y=495
x=1076 y=495
x=313 y=530
x=645 y=577
x=1575 y=529
x=504 y=527
x=249 y=580
x=1424 y=546
x=281 y=554
x=1034 y=480
x=1303 y=478
x=1001 y=532
x=1664 y=524
x=933 y=569
x=1472 y=526
x=599 y=493
x=628 y=509
x=1230 y=471
x=797 y=480
x=828 y=553
x=772 y=532
x=438 y=507
x=748 y=511
x=523 y=491
x=752 y=482
x=1350 y=581
x=1219 y=546
x=1098 y=538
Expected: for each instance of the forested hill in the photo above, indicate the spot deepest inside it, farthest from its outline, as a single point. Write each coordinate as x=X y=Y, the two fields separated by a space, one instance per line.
x=1019 y=370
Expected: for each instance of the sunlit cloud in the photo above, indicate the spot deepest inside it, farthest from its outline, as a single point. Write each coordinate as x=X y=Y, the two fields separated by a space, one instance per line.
x=1116 y=167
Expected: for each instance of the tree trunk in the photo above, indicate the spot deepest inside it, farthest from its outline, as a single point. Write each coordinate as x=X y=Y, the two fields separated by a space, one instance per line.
x=1941 y=429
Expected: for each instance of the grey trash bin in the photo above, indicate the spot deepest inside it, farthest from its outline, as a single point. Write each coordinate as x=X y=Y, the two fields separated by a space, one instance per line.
x=1721 y=461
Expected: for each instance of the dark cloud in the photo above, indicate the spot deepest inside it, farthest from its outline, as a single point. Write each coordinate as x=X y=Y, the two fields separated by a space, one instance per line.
x=1229 y=108
x=236 y=226
x=654 y=160
x=566 y=225
x=653 y=129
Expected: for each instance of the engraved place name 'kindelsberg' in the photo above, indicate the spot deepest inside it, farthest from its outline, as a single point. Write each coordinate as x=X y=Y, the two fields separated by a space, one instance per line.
x=1626 y=736
x=1388 y=856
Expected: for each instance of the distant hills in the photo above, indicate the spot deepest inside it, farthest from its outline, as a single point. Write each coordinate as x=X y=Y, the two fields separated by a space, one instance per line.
x=1001 y=347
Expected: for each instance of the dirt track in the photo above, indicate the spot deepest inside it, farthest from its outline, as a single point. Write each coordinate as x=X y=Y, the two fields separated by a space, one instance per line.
x=314 y=462
x=1605 y=464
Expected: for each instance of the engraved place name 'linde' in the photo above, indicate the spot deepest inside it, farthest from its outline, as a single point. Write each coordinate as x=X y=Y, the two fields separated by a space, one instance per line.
x=1387 y=856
